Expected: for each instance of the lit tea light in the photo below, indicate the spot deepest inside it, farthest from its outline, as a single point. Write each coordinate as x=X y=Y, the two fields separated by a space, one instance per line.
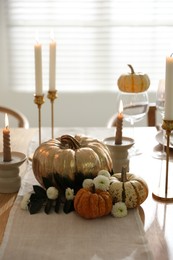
x=6 y=141
x=119 y=124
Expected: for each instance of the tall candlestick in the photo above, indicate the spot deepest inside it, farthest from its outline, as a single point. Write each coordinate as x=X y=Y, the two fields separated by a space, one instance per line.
x=52 y=95
x=6 y=141
x=119 y=125
x=39 y=100
x=52 y=64
x=169 y=89
x=38 y=69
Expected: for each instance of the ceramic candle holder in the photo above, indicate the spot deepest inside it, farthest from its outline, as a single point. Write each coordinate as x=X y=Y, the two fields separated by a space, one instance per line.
x=10 y=180
x=119 y=152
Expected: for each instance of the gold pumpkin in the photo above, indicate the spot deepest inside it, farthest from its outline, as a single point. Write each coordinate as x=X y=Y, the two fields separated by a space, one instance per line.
x=128 y=188
x=68 y=158
x=133 y=82
x=92 y=204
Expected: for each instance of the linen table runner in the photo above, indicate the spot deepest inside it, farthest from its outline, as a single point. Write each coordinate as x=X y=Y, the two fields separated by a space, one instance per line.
x=68 y=236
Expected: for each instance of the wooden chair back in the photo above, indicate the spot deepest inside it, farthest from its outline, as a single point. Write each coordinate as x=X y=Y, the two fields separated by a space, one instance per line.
x=20 y=118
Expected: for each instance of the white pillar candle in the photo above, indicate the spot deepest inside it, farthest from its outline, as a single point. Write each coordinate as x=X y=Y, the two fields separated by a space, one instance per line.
x=38 y=69
x=169 y=89
x=52 y=65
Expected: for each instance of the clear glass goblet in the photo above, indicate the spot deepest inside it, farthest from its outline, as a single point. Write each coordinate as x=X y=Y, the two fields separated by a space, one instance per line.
x=135 y=107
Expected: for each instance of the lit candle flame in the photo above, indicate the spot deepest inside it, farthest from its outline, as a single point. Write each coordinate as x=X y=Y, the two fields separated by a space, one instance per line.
x=6 y=121
x=121 y=107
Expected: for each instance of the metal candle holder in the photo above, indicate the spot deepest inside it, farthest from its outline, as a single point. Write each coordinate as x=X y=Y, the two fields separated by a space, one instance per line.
x=52 y=95
x=39 y=100
x=165 y=194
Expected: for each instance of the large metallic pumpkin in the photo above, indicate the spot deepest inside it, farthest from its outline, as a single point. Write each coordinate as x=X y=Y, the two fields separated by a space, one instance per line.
x=68 y=159
x=133 y=82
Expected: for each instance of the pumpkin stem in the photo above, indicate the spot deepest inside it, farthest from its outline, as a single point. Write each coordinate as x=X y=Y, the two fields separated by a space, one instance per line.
x=123 y=174
x=131 y=68
x=69 y=141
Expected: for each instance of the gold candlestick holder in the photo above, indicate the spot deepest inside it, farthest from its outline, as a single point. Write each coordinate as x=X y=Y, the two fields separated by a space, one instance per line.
x=39 y=100
x=52 y=95
x=164 y=193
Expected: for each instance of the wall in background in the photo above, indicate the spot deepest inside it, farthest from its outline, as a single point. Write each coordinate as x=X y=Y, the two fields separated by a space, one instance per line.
x=71 y=109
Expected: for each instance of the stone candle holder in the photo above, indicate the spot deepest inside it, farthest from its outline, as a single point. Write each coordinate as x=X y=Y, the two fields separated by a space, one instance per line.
x=119 y=152
x=10 y=180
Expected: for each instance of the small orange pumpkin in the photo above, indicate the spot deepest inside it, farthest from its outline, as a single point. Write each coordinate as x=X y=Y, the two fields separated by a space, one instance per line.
x=92 y=204
x=133 y=82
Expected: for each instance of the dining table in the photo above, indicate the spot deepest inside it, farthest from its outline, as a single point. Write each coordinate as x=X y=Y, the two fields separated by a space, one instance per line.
x=149 y=237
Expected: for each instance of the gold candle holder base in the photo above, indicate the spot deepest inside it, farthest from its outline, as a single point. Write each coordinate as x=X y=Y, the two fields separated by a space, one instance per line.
x=164 y=192
x=52 y=95
x=39 y=101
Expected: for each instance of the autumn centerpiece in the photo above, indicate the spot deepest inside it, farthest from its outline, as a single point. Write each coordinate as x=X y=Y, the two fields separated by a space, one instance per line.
x=75 y=174
x=97 y=197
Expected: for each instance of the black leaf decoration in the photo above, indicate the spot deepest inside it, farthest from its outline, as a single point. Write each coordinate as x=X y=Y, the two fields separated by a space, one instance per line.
x=41 y=193
x=57 y=205
x=68 y=206
x=35 y=204
x=48 y=206
x=39 y=198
